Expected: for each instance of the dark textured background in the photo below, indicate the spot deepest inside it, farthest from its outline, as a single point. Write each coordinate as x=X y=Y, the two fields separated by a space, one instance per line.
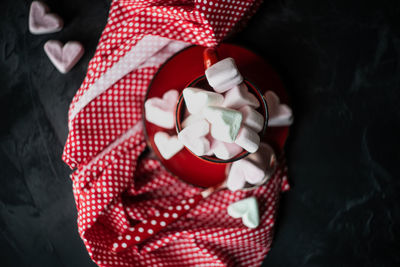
x=340 y=63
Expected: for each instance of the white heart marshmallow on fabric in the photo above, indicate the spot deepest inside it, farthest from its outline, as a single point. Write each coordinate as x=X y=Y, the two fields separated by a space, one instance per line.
x=161 y=112
x=167 y=145
x=247 y=209
x=240 y=96
x=64 y=57
x=279 y=114
x=248 y=139
x=225 y=123
x=224 y=75
x=197 y=99
x=41 y=21
x=252 y=119
x=194 y=137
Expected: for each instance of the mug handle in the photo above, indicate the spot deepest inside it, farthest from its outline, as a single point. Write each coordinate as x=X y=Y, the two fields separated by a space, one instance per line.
x=210 y=57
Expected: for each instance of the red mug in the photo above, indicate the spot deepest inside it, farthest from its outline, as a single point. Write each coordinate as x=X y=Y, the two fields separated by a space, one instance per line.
x=210 y=57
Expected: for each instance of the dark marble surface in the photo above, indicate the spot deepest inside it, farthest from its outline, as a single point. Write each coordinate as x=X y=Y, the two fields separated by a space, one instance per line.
x=340 y=61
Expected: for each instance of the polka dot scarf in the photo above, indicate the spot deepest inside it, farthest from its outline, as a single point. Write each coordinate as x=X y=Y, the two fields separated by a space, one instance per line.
x=115 y=185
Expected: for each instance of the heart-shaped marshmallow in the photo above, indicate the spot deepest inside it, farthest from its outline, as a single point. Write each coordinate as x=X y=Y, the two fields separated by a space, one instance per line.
x=64 y=57
x=279 y=114
x=248 y=139
x=223 y=75
x=224 y=150
x=161 y=112
x=167 y=145
x=252 y=119
x=194 y=137
x=225 y=123
x=247 y=209
x=240 y=96
x=191 y=119
x=197 y=99
x=40 y=21
x=252 y=169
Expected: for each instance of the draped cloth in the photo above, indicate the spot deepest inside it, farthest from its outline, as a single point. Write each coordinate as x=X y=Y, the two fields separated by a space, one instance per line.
x=114 y=184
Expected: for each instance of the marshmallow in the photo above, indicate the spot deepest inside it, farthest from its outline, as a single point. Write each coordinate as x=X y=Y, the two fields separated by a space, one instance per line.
x=248 y=139
x=196 y=99
x=243 y=171
x=264 y=159
x=167 y=145
x=240 y=96
x=194 y=137
x=64 y=57
x=41 y=21
x=279 y=114
x=192 y=119
x=161 y=112
x=224 y=150
x=223 y=75
x=225 y=123
x=252 y=119
x=247 y=209
x=252 y=169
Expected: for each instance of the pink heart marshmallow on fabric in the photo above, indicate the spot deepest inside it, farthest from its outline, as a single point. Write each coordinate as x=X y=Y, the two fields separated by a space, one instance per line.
x=64 y=57
x=161 y=112
x=279 y=114
x=167 y=145
x=252 y=169
x=41 y=21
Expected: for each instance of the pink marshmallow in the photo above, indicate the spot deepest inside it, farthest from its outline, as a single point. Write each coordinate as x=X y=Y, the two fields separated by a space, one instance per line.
x=252 y=169
x=223 y=75
x=64 y=57
x=240 y=96
x=161 y=112
x=41 y=21
x=224 y=150
x=248 y=139
x=252 y=119
x=264 y=158
x=194 y=137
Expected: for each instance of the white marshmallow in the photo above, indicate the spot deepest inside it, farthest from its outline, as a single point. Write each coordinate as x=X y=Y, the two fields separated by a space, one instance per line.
x=196 y=99
x=167 y=145
x=247 y=209
x=192 y=119
x=240 y=96
x=161 y=112
x=223 y=75
x=225 y=123
x=248 y=139
x=252 y=119
x=224 y=150
x=194 y=137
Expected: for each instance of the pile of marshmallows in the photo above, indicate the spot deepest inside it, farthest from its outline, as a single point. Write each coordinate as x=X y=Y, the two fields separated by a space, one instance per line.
x=220 y=123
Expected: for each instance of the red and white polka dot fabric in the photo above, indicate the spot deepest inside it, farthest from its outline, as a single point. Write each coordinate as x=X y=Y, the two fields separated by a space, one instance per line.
x=115 y=186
